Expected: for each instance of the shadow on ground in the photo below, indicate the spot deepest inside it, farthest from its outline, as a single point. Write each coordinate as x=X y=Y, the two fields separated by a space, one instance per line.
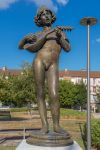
x=13 y=119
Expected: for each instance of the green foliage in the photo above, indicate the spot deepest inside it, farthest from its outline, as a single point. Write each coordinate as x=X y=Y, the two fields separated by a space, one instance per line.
x=23 y=90
x=66 y=93
x=98 y=94
x=72 y=95
x=5 y=91
x=98 y=110
x=80 y=94
x=95 y=133
x=18 y=90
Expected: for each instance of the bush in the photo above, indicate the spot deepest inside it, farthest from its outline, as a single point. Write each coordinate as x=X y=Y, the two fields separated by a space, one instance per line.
x=95 y=129
x=95 y=133
x=98 y=110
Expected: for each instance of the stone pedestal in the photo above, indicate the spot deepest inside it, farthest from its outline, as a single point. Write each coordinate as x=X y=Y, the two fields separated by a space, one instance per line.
x=48 y=141
x=51 y=139
x=24 y=146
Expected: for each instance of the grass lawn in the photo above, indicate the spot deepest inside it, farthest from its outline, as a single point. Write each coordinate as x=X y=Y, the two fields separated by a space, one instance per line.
x=71 y=120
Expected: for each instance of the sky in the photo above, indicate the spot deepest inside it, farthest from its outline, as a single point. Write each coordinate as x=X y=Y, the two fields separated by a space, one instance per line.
x=17 y=20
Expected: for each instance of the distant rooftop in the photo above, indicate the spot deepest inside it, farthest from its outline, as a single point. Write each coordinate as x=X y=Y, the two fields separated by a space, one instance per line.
x=13 y=72
x=62 y=73
x=80 y=73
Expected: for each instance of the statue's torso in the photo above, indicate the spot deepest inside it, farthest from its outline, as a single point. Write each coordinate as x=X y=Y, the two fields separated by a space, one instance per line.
x=49 y=53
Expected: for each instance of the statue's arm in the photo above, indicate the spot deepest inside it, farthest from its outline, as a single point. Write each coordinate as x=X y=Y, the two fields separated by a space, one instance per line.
x=22 y=43
x=64 y=42
x=33 y=47
x=26 y=43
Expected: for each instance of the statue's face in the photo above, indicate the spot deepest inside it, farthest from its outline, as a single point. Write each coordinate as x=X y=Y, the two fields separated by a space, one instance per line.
x=46 y=18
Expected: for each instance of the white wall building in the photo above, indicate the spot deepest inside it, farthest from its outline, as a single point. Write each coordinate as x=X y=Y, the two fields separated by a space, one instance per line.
x=77 y=76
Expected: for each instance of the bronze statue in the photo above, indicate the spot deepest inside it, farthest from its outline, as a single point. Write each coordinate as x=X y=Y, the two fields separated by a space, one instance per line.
x=47 y=44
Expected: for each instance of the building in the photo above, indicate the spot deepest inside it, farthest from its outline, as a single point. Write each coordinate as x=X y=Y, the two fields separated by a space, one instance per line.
x=78 y=76
x=5 y=72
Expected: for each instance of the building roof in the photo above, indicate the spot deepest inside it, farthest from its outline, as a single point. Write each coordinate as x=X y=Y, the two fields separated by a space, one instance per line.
x=81 y=73
x=12 y=72
x=63 y=73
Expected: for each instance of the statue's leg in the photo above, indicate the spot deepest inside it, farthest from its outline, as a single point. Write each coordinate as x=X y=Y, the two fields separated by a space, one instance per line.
x=39 y=76
x=53 y=81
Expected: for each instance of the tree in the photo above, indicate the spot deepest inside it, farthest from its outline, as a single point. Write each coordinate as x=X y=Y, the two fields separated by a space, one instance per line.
x=17 y=90
x=5 y=91
x=98 y=94
x=23 y=87
x=66 y=93
x=72 y=95
x=80 y=95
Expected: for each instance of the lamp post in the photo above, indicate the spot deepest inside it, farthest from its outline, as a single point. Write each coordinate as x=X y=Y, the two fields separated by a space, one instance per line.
x=89 y=21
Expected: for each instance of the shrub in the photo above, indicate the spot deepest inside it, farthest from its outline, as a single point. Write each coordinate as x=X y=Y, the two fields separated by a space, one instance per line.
x=95 y=133
x=95 y=129
x=98 y=110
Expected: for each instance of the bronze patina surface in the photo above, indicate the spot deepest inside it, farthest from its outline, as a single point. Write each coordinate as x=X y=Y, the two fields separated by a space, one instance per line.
x=47 y=44
x=51 y=139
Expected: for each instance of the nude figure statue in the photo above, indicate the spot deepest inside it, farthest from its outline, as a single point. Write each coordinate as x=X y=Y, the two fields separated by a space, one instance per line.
x=47 y=44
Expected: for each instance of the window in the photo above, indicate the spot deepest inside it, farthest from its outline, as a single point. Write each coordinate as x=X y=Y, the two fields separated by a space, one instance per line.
x=94 y=79
x=94 y=89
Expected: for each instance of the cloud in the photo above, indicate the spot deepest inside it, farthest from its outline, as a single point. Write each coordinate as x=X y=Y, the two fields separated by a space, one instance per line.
x=4 y=4
x=98 y=40
x=63 y=2
x=48 y=3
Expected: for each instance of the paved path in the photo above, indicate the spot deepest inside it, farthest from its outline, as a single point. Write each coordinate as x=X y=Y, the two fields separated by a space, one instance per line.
x=96 y=115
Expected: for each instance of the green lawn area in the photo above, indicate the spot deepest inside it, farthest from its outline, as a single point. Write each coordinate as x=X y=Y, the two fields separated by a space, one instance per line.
x=72 y=114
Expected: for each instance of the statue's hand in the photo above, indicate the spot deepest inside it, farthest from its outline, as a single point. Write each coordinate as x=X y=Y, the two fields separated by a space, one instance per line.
x=30 y=38
x=58 y=31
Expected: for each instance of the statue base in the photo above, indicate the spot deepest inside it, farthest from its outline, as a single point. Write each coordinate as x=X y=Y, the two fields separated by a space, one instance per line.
x=24 y=146
x=51 y=139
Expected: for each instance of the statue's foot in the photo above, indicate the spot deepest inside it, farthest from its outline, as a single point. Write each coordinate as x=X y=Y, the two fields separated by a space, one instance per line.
x=44 y=130
x=58 y=129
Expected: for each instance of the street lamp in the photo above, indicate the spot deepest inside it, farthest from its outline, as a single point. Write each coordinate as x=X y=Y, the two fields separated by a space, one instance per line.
x=88 y=21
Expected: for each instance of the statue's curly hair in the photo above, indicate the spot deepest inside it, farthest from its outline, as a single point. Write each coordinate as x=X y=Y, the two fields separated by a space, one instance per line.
x=37 y=18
